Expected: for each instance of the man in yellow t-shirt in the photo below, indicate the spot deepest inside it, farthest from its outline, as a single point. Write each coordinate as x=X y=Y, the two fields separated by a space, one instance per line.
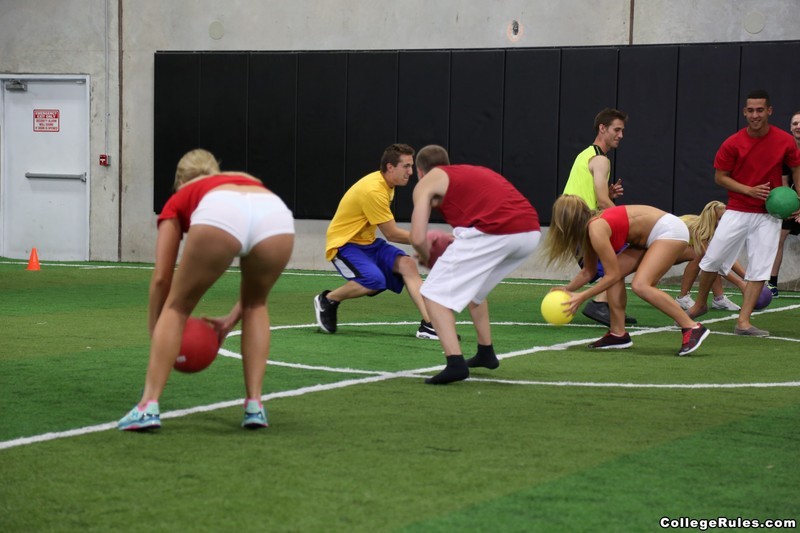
x=589 y=179
x=369 y=263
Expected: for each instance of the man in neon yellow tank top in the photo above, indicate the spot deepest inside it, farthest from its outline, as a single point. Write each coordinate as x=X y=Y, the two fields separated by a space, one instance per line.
x=589 y=179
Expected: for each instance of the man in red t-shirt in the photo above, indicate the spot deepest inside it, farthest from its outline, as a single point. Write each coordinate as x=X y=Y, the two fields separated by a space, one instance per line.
x=748 y=165
x=495 y=227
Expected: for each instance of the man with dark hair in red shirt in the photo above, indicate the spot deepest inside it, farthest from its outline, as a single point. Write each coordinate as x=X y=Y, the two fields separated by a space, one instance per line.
x=495 y=227
x=748 y=165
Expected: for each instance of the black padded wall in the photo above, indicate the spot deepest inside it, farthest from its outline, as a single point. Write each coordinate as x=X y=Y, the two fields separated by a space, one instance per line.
x=707 y=110
x=530 y=124
x=423 y=109
x=175 y=127
x=321 y=128
x=588 y=84
x=222 y=114
x=271 y=127
x=371 y=111
x=645 y=159
x=771 y=66
x=476 y=108
x=312 y=123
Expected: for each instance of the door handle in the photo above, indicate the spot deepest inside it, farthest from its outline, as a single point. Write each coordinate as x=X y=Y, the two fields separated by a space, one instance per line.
x=35 y=175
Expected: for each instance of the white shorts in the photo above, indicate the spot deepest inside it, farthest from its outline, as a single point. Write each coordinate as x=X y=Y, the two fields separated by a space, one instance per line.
x=251 y=217
x=474 y=264
x=759 y=232
x=668 y=227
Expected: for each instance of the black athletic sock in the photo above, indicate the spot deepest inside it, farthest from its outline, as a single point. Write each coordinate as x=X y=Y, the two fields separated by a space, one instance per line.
x=456 y=370
x=774 y=280
x=485 y=358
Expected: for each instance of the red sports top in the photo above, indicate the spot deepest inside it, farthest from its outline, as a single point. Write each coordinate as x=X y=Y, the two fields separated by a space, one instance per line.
x=182 y=204
x=481 y=198
x=617 y=218
x=756 y=160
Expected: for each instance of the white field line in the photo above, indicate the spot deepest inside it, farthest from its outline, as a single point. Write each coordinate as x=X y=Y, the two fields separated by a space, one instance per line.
x=377 y=376
x=310 y=274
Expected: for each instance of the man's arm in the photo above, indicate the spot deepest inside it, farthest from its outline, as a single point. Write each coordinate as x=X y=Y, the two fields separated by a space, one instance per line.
x=433 y=185
x=796 y=179
x=393 y=232
x=723 y=179
x=599 y=166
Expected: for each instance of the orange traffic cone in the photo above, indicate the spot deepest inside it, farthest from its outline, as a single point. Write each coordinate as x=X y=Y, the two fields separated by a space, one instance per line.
x=33 y=262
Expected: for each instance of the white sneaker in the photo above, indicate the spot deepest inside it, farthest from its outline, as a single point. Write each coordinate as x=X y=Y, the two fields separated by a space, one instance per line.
x=724 y=303
x=685 y=302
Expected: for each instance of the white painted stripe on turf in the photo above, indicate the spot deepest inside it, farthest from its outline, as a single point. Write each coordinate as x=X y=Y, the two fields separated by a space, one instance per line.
x=4 y=445
x=234 y=355
x=642 y=385
x=419 y=373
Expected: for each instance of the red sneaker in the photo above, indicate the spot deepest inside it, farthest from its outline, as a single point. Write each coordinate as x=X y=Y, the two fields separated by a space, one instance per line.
x=610 y=341
x=693 y=338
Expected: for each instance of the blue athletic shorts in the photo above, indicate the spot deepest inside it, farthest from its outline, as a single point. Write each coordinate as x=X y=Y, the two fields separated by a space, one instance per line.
x=600 y=272
x=370 y=265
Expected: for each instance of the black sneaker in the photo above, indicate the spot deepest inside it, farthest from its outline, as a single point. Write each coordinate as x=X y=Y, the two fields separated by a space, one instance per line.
x=326 y=312
x=426 y=331
x=610 y=341
x=598 y=311
x=773 y=289
x=693 y=338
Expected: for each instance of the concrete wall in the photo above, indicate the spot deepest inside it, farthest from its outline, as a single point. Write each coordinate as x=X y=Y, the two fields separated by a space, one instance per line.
x=74 y=36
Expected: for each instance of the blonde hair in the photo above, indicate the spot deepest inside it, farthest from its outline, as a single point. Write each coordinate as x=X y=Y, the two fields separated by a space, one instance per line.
x=195 y=163
x=703 y=226
x=567 y=233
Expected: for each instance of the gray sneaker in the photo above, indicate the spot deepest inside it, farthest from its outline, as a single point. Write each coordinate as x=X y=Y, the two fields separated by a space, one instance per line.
x=724 y=304
x=752 y=331
x=685 y=301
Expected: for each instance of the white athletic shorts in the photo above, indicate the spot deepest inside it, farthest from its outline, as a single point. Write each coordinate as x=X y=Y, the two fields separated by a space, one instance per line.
x=668 y=227
x=474 y=264
x=759 y=232
x=251 y=217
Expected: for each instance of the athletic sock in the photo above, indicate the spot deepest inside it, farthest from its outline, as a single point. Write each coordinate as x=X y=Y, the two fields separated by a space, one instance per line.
x=485 y=358
x=456 y=370
x=773 y=280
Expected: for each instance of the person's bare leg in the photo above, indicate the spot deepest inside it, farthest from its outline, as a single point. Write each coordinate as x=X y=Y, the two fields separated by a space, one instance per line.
x=407 y=268
x=207 y=254
x=348 y=291
x=485 y=356
x=656 y=261
x=444 y=322
x=751 y=293
x=700 y=306
x=261 y=268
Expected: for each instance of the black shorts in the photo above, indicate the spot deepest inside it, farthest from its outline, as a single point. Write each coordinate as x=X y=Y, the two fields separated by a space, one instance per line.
x=792 y=226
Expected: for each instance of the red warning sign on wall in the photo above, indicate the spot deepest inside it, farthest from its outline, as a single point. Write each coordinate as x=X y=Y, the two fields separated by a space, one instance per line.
x=47 y=120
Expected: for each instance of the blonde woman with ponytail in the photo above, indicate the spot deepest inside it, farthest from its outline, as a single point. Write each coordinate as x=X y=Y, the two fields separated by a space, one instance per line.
x=626 y=239
x=701 y=230
x=223 y=215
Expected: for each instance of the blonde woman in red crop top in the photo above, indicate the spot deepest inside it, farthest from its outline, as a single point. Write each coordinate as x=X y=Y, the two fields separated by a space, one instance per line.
x=656 y=241
x=224 y=215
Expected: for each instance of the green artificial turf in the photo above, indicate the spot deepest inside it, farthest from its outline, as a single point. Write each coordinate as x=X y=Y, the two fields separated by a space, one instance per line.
x=559 y=438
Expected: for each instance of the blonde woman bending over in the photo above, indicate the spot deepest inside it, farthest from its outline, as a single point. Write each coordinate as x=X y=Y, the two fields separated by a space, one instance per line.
x=701 y=229
x=224 y=215
x=656 y=240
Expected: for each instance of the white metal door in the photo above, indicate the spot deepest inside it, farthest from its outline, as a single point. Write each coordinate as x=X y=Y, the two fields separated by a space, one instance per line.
x=44 y=182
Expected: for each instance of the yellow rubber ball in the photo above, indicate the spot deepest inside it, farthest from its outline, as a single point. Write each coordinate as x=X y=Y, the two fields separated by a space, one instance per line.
x=553 y=310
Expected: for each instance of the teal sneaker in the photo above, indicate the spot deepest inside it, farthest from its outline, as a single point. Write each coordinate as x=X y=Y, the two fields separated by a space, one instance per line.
x=254 y=415
x=148 y=418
